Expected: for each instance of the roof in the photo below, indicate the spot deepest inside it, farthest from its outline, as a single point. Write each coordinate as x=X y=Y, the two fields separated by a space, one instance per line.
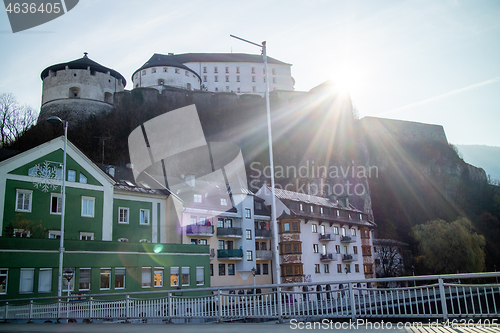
x=393 y=242
x=125 y=181
x=302 y=197
x=83 y=63
x=178 y=60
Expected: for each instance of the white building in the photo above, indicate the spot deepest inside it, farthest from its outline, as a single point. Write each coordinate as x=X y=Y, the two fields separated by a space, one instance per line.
x=321 y=240
x=216 y=72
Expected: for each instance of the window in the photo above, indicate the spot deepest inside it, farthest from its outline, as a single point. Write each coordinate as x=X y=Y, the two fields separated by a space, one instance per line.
x=144 y=215
x=23 y=200
x=161 y=82
x=86 y=236
x=144 y=72
x=65 y=282
x=301 y=207
x=249 y=255
x=312 y=209
x=223 y=202
x=84 y=279
x=327 y=268
x=355 y=249
x=368 y=268
x=165 y=69
x=194 y=241
x=237 y=69
x=339 y=268
x=348 y=268
x=227 y=88
x=315 y=248
x=83 y=179
x=54 y=234
x=265 y=269
x=248 y=234
x=237 y=78
x=21 y=233
x=274 y=80
x=177 y=71
x=273 y=71
x=71 y=175
x=202 y=242
x=215 y=70
x=204 y=69
x=227 y=78
x=200 y=276
x=158 y=277
x=337 y=212
x=291 y=270
x=323 y=249
x=360 y=217
x=174 y=276
x=153 y=70
x=186 y=73
x=356 y=268
x=317 y=268
x=367 y=250
x=204 y=78
x=229 y=223
x=323 y=229
x=105 y=278
x=45 y=280
x=211 y=269
x=26 y=280
x=314 y=227
x=220 y=222
x=353 y=231
x=146 y=277
x=248 y=213
x=253 y=70
x=222 y=269
x=264 y=70
x=4 y=274
x=286 y=227
x=336 y=230
x=291 y=247
x=253 y=78
x=55 y=203
x=197 y=198
x=88 y=206
x=254 y=89
x=123 y=214
x=321 y=210
x=337 y=249
x=221 y=245
x=263 y=246
x=185 y=276
x=343 y=231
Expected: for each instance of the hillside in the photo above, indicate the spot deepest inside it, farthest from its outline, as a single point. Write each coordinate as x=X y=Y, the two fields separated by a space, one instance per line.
x=486 y=157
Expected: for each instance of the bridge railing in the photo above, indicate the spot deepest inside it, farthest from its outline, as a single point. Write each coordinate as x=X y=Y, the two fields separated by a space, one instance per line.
x=414 y=297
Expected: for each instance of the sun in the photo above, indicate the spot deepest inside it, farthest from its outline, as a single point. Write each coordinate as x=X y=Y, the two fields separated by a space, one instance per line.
x=347 y=78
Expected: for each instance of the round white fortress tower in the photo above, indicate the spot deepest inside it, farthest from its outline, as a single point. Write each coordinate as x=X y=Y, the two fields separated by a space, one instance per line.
x=161 y=70
x=78 y=89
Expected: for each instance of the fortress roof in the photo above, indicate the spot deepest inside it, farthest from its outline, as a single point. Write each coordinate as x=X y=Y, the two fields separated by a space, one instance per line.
x=178 y=60
x=83 y=63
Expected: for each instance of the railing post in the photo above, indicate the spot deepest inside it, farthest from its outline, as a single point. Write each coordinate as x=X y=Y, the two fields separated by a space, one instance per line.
x=353 y=303
x=31 y=312
x=6 y=311
x=59 y=309
x=280 y=305
x=170 y=307
x=442 y=294
x=219 y=306
x=127 y=308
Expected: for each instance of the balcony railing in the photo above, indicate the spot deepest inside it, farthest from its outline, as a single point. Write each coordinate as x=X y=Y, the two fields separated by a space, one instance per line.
x=226 y=254
x=348 y=239
x=205 y=230
x=263 y=233
x=326 y=237
x=229 y=232
x=263 y=254
x=328 y=257
x=349 y=257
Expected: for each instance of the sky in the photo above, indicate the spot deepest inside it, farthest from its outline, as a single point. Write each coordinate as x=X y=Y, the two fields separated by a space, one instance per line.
x=428 y=61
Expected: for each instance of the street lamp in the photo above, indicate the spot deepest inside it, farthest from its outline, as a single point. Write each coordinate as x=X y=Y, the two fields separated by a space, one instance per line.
x=57 y=120
x=68 y=275
x=413 y=270
x=274 y=223
x=253 y=273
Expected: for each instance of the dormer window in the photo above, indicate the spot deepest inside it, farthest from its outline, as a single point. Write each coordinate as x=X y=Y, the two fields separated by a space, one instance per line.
x=197 y=198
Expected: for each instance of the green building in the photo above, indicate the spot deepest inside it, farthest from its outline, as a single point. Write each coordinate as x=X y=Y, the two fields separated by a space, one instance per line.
x=115 y=230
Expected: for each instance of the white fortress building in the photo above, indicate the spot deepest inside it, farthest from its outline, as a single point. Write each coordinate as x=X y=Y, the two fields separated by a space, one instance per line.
x=216 y=72
x=78 y=89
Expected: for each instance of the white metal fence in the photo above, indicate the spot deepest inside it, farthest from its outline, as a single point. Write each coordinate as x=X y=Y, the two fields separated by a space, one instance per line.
x=433 y=297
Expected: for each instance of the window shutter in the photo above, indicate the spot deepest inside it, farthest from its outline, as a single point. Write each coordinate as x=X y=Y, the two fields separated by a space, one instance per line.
x=200 y=275
x=45 y=280
x=26 y=281
x=146 y=277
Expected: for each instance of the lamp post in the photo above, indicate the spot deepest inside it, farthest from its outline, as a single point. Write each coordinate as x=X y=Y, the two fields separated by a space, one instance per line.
x=253 y=273
x=413 y=270
x=274 y=223
x=496 y=277
x=57 y=120
x=68 y=275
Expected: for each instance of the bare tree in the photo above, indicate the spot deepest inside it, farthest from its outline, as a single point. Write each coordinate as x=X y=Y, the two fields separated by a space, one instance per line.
x=15 y=119
x=389 y=257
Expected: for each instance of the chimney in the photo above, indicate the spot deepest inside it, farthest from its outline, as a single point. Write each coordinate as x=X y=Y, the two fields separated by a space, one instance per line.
x=111 y=171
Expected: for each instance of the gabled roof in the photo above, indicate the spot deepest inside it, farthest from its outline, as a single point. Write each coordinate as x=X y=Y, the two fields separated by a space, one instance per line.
x=83 y=63
x=124 y=179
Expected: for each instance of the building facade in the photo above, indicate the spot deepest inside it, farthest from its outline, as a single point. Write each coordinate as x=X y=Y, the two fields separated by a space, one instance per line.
x=216 y=72
x=115 y=230
x=321 y=240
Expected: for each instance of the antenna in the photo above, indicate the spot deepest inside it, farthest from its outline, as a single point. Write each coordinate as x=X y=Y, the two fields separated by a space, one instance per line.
x=103 y=138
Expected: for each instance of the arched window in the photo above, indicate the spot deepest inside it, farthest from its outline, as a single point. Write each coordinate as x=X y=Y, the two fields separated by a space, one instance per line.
x=74 y=92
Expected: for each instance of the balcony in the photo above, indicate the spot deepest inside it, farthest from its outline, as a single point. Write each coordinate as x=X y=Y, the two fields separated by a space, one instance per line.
x=200 y=230
x=230 y=254
x=349 y=257
x=327 y=237
x=229 y=232
x=263 y=255
x=348 y=239
x=328 y=257
x=263 y=233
